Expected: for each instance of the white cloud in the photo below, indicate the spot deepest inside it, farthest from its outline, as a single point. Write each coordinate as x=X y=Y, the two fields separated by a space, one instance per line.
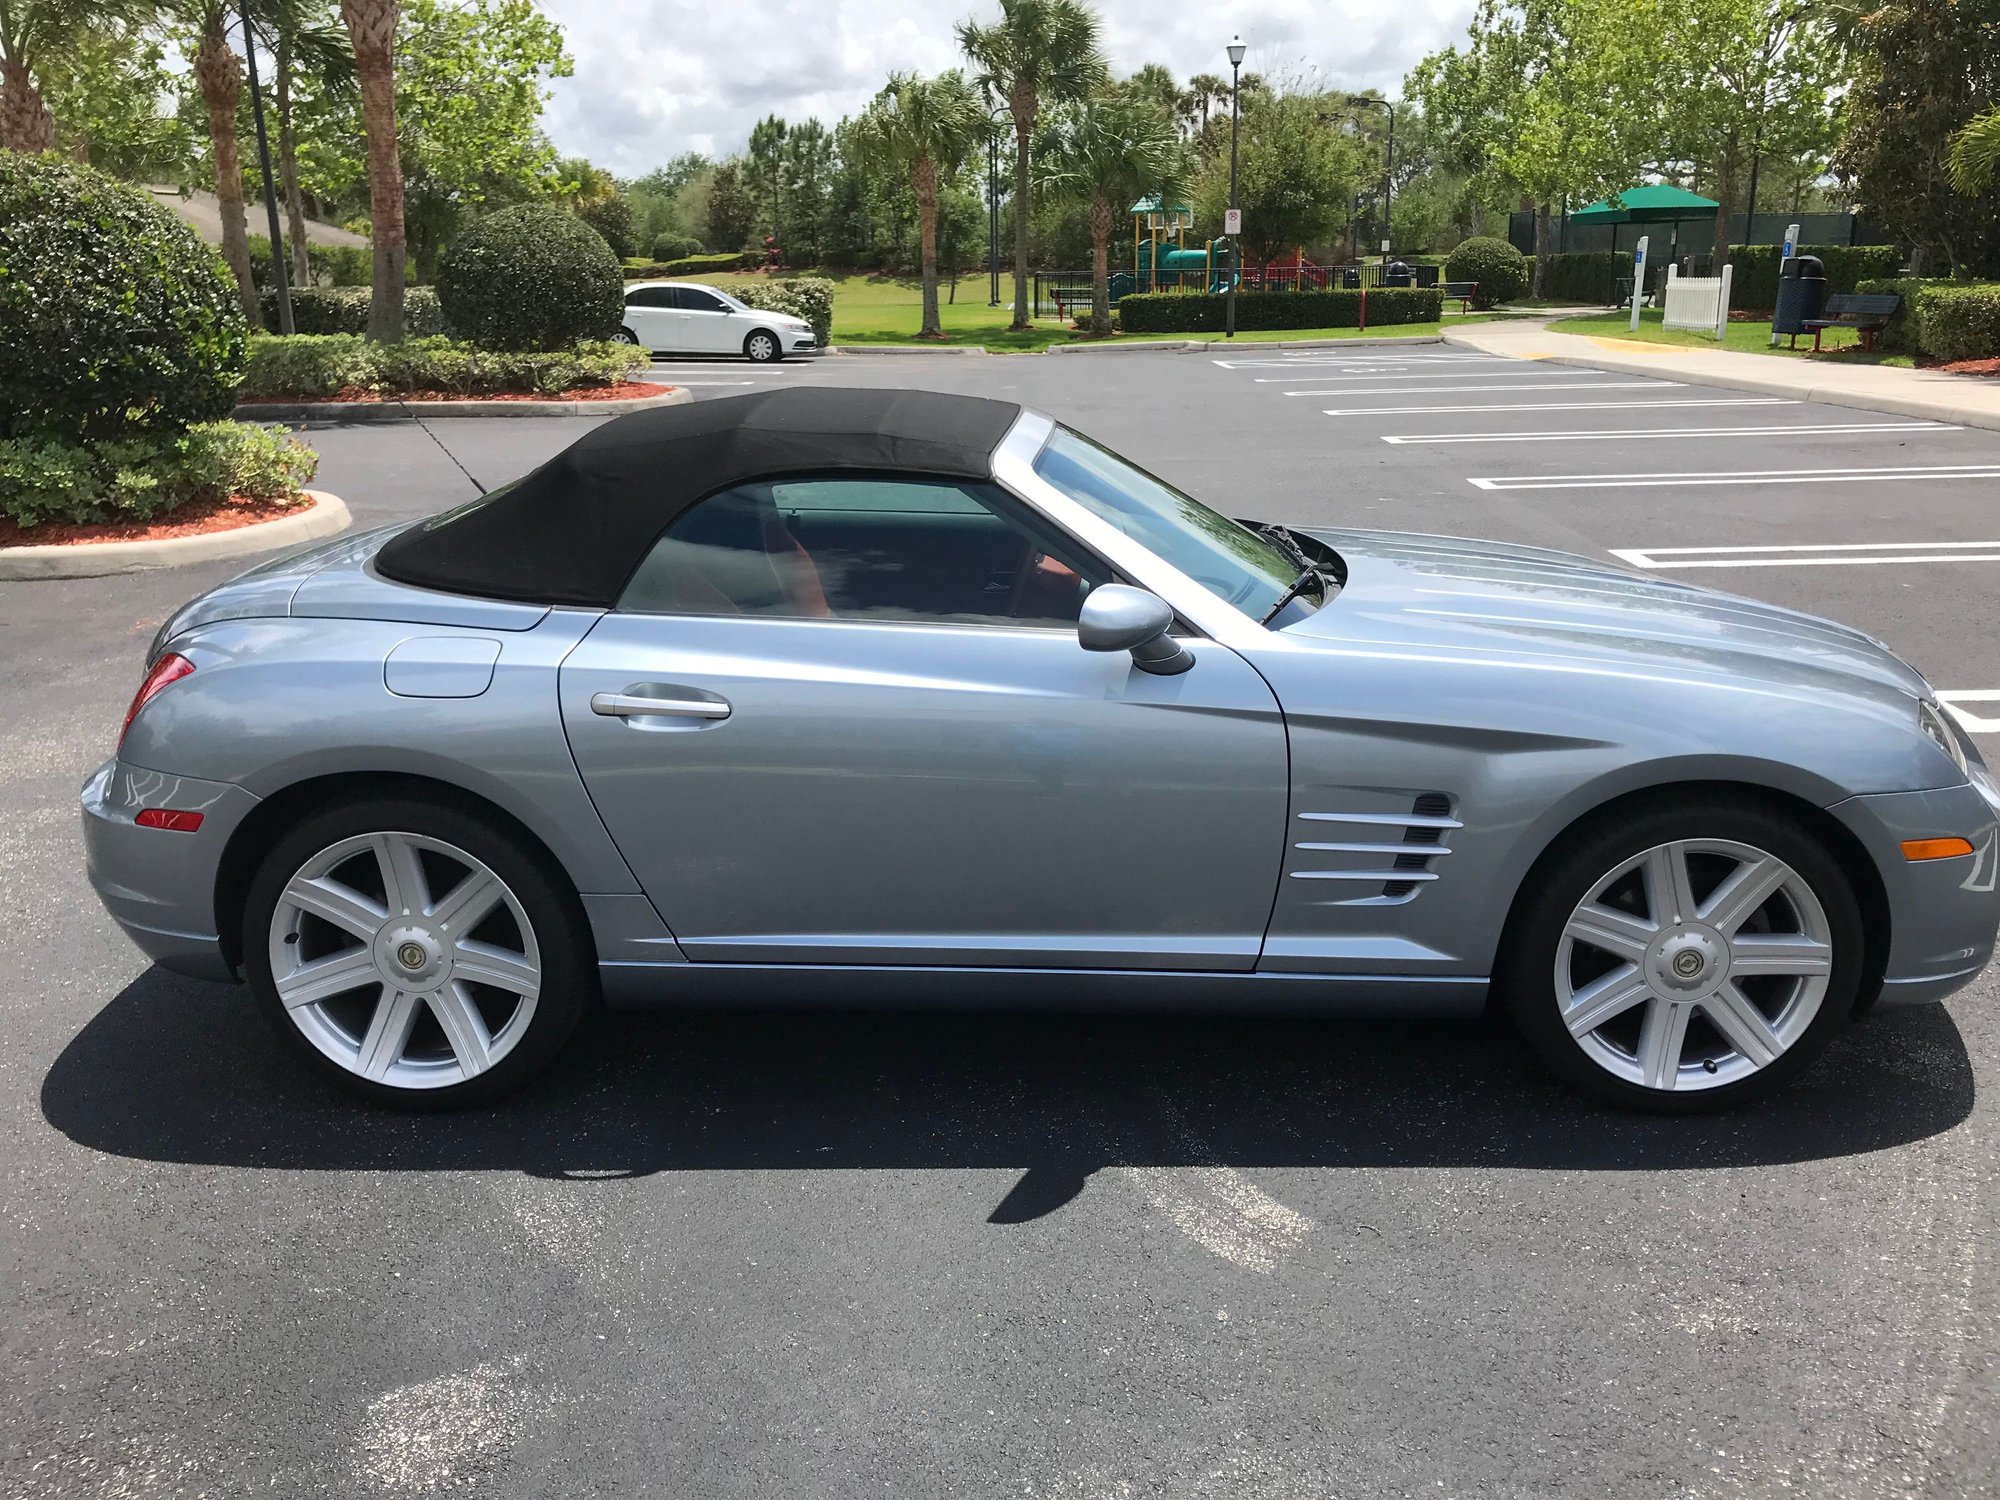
x=658 y=77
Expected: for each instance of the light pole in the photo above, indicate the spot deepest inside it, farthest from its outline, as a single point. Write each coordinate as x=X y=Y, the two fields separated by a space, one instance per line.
x=278 y=268
x=1236 y=50
x=993 y=118
x=1388 y=165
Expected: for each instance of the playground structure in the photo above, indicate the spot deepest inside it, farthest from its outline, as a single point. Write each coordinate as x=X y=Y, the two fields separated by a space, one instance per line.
x=1162 y=260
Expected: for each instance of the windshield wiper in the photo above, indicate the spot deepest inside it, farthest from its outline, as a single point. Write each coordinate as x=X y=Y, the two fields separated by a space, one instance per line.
x=1312 y=574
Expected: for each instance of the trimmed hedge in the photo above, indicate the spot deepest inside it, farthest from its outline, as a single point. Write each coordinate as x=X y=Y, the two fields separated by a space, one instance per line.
x=1500 y=270
x=51 y=478
x=1754 y=282
x=1588 y=276
x=1943 y=319
x=344 y=309
x=692 y=265
x=115 y=317
x=675 y=247
x=1201 y=312
x=313 y=367
x=531 y=277
x=808 y=297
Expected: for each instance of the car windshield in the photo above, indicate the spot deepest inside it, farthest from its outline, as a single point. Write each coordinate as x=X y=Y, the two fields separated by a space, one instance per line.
x=1248 y=570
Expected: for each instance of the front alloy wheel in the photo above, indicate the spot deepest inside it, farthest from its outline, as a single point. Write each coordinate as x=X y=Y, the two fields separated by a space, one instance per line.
x=762 y=347
x=1686 y=961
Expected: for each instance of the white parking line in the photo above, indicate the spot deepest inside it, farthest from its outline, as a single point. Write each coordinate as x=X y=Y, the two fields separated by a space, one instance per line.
x=1398 y=365
x=693 y=383
x=1495 y=390
x=1578 y=436
x=1972 y=723
x=1527 y=372
x=1303 y=362
x=1397 y=411
x=1808 y=555
x=1747 y=476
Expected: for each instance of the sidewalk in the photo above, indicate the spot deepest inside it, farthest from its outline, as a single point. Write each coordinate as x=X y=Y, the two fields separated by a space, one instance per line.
x=1968 y=400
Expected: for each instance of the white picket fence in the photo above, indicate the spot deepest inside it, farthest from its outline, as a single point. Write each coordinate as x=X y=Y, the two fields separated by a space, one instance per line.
x=1698 y=301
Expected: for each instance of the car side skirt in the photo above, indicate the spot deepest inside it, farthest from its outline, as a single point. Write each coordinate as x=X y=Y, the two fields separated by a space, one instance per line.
x=696 y=986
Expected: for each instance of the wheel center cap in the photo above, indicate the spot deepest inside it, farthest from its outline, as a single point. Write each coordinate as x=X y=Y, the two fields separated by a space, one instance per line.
x=1689 y=960
x=1687 y=964
x=412 y=956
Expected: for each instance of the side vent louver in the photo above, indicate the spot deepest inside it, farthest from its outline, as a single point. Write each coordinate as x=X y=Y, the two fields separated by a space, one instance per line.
x=1427 y=805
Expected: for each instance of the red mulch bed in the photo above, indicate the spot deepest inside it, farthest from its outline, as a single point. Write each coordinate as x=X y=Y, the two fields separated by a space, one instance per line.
x=1990 y=367
x=189 y=520
x=624 y=391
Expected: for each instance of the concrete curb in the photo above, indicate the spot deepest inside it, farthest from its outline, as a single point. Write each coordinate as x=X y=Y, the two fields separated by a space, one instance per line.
x=906 y=349
x=1195 y=345
x=1938 y=408
x=349 y=413
x=99 y=559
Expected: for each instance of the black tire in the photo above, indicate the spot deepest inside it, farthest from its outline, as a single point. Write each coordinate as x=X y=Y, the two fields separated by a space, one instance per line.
x=763 y=347
x=624 y=336
x=568 y=985
x=1525 y=975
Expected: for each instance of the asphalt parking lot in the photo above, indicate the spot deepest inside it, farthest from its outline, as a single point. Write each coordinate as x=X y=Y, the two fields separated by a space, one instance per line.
x=1053 y=1257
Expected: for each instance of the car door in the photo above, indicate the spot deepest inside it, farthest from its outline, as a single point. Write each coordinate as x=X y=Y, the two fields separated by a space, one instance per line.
x=706 y=323
x=650 y=314
x=879 y=742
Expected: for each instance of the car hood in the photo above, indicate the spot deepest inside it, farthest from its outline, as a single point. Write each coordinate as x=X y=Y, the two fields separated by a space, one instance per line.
x=1470 y=596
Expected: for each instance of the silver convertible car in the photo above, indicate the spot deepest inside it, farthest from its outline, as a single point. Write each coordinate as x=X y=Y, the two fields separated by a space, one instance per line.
x=898 y=698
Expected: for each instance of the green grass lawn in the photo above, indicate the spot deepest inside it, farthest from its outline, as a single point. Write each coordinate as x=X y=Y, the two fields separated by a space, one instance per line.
x=1747 y=337
x=889 y=310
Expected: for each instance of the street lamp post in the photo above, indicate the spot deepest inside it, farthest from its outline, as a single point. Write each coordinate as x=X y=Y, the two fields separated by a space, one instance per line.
x=1236 y=50
x=1388 y=166
x=993 y=118
x=278 y=278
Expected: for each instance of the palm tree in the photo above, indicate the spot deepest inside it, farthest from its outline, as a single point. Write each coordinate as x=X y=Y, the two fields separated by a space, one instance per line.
x=1975 y=154
x=28 y=30
x=1204 y=92
x=219 y=73
x=1108 y=151
x=926 y=127
x=1038 y=50
x=371 y=30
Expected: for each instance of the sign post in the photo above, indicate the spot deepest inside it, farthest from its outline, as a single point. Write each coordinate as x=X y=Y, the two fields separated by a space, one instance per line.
x=1791 y=249
x=1638 y=281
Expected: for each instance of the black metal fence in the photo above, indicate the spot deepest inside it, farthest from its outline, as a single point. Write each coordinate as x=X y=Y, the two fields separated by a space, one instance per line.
x=1067 y=293
x=1766 y=229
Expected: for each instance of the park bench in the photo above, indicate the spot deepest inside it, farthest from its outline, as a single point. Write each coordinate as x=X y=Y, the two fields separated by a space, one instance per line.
x=1867 y=313
x=1461 y=292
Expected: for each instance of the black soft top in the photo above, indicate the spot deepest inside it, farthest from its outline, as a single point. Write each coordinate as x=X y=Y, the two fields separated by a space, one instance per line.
x=574 y=530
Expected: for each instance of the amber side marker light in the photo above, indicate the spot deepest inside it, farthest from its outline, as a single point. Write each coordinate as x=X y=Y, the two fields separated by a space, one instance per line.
x=1916 y=849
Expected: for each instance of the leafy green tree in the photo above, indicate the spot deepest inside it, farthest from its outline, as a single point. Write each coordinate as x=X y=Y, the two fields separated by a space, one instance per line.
x=1925 y=70
x=1975 y=154
x=1038 y=51
x=731 y=215
x=104 y=88
x=925 y=129
x=1106 y=153
x=805 y=179
x=308 y=49
x=1296 y=170
x=763 y=173
x=596 y=198
x=31 y=33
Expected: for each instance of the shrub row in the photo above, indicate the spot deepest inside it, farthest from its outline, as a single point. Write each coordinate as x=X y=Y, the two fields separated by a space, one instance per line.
x=57 y=478
x=1592 y=275
x=312 y=367
x=324 y=309
x=1943 y=319
x=691 y=265
x=1201 y=312
x=808 y=297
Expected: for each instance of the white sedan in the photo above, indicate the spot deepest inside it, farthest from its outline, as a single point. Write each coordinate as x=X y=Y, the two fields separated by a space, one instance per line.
x=685 y=317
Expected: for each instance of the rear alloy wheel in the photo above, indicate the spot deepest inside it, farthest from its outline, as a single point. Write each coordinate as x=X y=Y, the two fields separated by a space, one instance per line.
x=1687 y=962
x=414 y=954
x=762 y=347
x=624 y=336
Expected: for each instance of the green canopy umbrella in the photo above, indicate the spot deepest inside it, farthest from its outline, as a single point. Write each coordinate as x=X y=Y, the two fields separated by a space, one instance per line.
x=1652 y=203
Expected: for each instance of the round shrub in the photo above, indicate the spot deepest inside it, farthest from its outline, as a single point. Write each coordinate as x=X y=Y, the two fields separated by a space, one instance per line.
x=115 y=317
x=1500 y=269
x=675 y=246
x=532 y=277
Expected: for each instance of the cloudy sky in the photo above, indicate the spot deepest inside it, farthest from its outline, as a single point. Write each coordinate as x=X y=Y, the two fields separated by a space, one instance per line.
x=658 y=77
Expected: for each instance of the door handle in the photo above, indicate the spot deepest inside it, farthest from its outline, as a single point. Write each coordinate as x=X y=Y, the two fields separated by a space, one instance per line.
x=633 y=705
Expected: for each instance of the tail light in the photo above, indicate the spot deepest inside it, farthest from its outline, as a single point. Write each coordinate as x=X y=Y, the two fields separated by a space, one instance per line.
x=170 y=668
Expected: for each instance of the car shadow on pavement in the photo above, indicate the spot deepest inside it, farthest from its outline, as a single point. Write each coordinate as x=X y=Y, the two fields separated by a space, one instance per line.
x=173 y=1070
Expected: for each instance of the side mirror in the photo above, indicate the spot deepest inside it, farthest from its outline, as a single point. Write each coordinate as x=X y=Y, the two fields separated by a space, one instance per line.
x=1116 y=617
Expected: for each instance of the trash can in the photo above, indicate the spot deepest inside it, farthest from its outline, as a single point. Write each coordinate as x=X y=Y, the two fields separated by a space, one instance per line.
x=1801 y=294
x=1350 y=278
x=1396 y=273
